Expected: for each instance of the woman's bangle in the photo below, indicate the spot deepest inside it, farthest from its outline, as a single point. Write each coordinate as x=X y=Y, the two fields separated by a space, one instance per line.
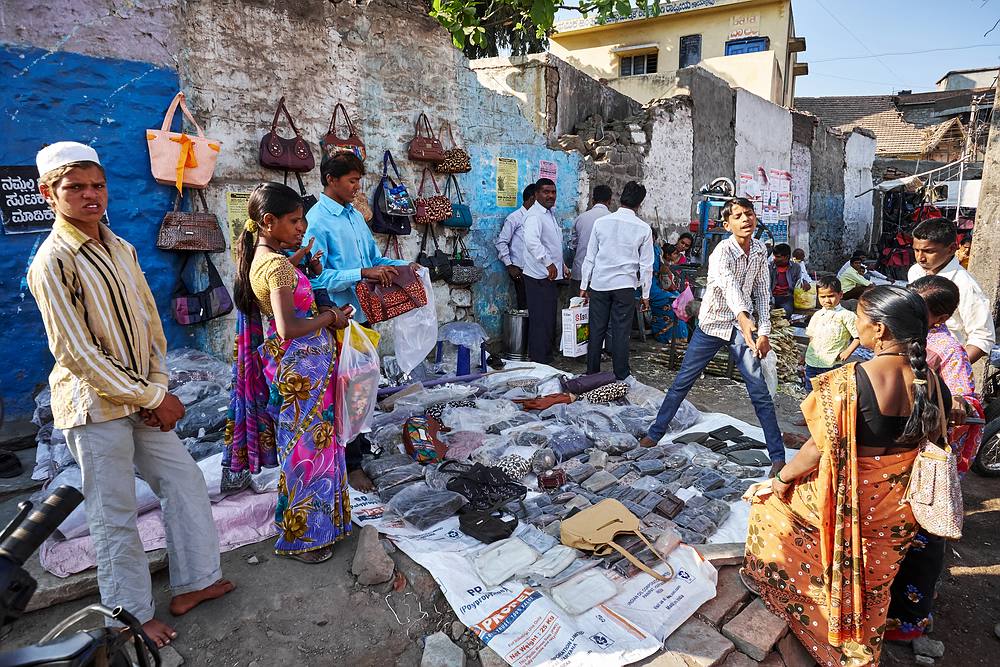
x=777 y=476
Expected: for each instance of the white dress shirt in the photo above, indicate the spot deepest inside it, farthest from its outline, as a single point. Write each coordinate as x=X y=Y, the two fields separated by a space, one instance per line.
x=543 y=243
x=510 y=241
x=583 y=227
x=737 y=282
x=619 y=255
x=972 y=323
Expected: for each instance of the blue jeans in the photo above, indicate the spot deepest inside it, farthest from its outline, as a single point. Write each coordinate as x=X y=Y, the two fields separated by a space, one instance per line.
x=700 y=351
x=813 y=371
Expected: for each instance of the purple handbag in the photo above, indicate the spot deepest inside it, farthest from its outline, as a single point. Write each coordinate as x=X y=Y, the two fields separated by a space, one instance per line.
x=585 y=383
x=195 y=307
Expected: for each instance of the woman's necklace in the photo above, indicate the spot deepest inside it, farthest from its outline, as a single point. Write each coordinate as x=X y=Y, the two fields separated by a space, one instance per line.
x=892 y=354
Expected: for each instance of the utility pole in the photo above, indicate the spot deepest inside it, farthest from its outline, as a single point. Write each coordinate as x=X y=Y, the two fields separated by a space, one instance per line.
x=984 y=263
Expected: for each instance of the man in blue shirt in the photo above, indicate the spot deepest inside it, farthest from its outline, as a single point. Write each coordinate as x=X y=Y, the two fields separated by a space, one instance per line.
x=349 y=254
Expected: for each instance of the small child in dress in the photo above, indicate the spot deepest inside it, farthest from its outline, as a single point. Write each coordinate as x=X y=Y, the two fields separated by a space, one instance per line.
x=832 y=333
x=799 y=257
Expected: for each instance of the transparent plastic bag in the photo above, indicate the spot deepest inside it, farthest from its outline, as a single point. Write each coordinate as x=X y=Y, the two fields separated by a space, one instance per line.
x=614 y=443
x=208 y=415
x=418 y=402
x=358 y=374
x=769 y=365
x=376 y=468
x=686 y=417
x=567 y=443
x=640 y=394
x=515 y=420
x=423 y=507
x=462 y=444
x=187 y=364
x=416 y=333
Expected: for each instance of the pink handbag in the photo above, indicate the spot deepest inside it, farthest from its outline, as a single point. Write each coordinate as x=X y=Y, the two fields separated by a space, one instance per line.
x=681 y=303
x=177 y=158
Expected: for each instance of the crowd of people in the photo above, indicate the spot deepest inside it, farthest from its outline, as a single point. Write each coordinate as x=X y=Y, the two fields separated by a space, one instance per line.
x=831 y=548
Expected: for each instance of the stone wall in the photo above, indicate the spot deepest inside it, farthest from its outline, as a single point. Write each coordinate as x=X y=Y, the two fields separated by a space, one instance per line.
x=826 y=200
x=763 y=134
x=859 y=154
x=714 y=128
x=234 y=58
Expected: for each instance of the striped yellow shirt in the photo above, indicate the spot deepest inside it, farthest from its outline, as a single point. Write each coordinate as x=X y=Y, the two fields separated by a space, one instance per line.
x=102 y=325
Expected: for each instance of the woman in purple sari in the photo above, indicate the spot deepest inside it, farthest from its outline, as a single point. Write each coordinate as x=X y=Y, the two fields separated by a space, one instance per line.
x=284 y=372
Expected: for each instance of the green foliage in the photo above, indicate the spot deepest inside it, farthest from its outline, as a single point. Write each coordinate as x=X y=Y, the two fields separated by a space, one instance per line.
x=484 y=28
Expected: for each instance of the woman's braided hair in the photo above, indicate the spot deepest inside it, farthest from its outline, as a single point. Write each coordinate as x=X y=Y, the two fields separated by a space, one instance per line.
x=904 y=314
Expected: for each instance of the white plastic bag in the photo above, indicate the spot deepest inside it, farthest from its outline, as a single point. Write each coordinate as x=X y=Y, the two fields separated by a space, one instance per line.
x=357 y=383
x=769 y=365
x=415 y=333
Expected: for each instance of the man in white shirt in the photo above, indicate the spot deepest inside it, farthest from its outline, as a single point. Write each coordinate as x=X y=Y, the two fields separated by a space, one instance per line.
x=510 y=244
x=543 y=266
x=935 y=243
x=619 y=259
x=583 y=227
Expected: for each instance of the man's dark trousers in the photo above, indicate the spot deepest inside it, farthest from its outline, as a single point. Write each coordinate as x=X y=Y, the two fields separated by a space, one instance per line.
x=521 y=299
x=610 y=312
x=541 y=296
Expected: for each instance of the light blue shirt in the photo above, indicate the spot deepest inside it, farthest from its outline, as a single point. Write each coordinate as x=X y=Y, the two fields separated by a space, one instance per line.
x=348 y=246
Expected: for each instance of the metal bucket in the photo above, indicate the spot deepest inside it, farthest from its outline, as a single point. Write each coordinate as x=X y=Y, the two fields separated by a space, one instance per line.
x=515 y=335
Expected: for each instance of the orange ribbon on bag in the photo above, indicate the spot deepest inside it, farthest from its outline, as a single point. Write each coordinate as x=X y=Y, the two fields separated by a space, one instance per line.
x=185 y=159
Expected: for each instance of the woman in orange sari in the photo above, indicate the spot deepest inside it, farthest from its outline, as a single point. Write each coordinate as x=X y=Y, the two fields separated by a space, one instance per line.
x=827 y=534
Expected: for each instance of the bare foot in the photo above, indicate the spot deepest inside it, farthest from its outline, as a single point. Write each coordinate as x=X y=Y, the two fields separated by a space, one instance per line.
x=159 y=632
x=647 y=442
x=185 y=602
x=359 y=481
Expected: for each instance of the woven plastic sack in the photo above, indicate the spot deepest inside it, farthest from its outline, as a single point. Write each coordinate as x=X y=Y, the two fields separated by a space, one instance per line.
x=358 y=374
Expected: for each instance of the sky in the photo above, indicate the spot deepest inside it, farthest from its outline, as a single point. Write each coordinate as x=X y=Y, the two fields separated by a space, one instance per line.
x=891 y=26
x=869 y=27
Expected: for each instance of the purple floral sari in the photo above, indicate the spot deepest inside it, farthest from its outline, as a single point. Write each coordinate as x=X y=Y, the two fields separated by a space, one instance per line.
x=282 y=411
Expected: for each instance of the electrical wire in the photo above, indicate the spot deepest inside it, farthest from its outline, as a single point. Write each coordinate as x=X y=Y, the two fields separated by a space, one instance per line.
x=858 y=40
x=904 y=53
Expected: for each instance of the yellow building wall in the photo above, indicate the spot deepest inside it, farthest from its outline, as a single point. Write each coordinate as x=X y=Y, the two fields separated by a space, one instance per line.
x=592 y=50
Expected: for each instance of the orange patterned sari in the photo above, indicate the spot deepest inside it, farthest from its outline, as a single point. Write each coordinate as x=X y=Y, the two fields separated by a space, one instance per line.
x=824 y=561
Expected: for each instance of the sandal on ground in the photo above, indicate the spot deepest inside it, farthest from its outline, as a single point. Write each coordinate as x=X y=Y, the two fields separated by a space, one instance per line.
x=312 y=557
x=750 y=584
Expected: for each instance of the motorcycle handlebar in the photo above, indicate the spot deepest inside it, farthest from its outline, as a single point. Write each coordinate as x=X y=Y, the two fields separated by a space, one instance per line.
x=40 y=523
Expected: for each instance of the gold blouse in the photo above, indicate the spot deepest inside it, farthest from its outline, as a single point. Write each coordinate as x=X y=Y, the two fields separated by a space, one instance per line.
x=268 y=273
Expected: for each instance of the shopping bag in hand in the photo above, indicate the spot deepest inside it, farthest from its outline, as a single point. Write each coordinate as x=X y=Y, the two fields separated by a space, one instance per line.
x=357 y=382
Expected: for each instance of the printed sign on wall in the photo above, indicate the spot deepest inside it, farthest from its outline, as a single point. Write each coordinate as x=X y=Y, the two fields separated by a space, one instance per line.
x=506 y=181
x=22 y=208
x=236 y=213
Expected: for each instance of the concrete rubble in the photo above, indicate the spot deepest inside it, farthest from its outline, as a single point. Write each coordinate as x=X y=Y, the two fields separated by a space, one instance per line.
x=371 y=563
x=755 y=630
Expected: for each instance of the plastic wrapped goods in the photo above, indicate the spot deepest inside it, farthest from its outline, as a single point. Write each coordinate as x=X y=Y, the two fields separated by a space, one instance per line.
x=567 y=443
x=208 y=414
x=614 y=444
x=461 y=444
x=186 y=365
x=423 y=507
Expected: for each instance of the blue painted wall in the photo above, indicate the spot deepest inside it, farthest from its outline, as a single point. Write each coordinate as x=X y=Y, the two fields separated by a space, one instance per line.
x=109 y=104
x=493 y=296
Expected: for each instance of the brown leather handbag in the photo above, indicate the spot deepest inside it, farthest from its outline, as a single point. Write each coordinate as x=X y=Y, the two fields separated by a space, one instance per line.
x=276 y=152
x=191 y=232
x=456 y=159
x=333 y=143
x=435 y=208
x=425 y=147
x=380 y=303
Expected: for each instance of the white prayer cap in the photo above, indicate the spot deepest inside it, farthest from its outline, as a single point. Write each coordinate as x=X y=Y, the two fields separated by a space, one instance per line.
x=62 y=153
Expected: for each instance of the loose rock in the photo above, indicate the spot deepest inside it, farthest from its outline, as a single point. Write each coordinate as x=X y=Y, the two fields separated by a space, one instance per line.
x=924 y=660
x=457 y=630
x=932 y=648
x=755 y=630
x=371 y=564
x=440 y=652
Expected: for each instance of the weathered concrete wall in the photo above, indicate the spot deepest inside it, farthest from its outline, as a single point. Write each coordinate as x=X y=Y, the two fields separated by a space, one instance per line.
x=237 y=57
x=859 y=154
x=984 y=263
x=826 y=200
x=798 y=225
x=668 y=166
x=763 y=134
x=714 y=128
x=553 y=94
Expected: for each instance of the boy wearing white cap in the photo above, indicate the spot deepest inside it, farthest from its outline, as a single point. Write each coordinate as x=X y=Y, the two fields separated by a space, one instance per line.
x=110 y=398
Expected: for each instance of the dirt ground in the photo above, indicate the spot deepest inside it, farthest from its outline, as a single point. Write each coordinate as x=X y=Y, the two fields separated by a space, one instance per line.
x=288 y=613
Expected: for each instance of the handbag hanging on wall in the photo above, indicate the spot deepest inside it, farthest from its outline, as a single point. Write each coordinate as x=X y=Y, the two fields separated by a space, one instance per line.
x=456 y=160
x=276 y=152
x=394 y=207
x=177 y=158
x=424 y=146
x=463 y=269
x=438 y=264
x=194 y=307
x=435 y=208
x=190 y=231
x=461 y=214
x=332 y=143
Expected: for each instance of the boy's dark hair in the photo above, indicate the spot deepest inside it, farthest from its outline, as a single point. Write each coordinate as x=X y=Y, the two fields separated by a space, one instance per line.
x=782 y=250
x=529 y=191
x=602 y=194
x=743 y=202
x=339 y=164
x=542 y=182
x=937 y=230
x=831 y=283
x=632 y=194
x=858 y=256
x=799 y=253
x=940 y=294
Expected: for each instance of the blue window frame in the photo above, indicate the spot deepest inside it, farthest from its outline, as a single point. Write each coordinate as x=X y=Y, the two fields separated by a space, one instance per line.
x=737 y=47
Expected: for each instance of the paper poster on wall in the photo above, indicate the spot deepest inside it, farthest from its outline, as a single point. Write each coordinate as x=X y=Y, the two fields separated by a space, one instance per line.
x=547 y=169
x=784 y=204
x=506 y=181
x=23 y=209
x=236 y=214
x=780 y=180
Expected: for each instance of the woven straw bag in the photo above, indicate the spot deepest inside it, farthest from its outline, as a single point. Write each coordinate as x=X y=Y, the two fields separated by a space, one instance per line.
x=935 y=492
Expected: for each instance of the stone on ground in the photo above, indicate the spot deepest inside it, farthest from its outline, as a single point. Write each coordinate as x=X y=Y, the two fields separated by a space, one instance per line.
x=793 y=652
x=694 y=644
x=724 y=553
x=169 y=657
x=923 y=660
x=932 y=648
x=730 y=595
x=755 y=630
x=371 y=564
x=457 y=630
x=490 y=658
x=737 y=659
x=439 y=651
